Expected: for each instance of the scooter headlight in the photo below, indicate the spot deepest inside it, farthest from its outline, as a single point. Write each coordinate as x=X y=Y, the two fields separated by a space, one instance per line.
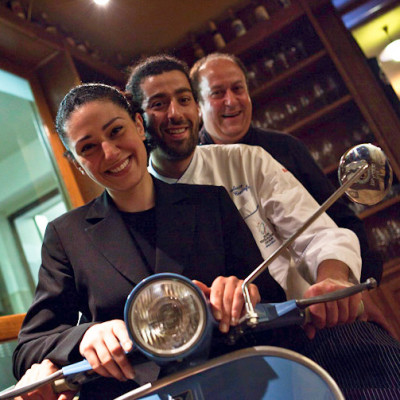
x=166 y=315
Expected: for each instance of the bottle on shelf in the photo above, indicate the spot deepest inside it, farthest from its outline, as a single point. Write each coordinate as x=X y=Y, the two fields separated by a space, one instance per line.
x=16 y=7
x=268 y=67
x=298 y=44
x=219 y=41
x=285 y=3
x=393 y=227
x=237 y=24
x=197 y=49
x=44 y=22
x=252 y=76
x=260 y=12
x=281 y=62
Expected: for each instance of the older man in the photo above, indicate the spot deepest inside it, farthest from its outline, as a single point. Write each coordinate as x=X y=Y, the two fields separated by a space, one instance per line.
x=220 y=83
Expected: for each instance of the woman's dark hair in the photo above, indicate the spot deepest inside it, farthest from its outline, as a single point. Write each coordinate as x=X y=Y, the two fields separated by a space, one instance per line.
x=87 y=93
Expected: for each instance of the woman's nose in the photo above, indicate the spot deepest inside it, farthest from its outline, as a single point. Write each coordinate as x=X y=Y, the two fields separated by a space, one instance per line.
x=110 y=150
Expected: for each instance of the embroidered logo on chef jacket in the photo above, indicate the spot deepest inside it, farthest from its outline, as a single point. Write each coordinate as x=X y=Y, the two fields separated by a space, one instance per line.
x=239 y=189
x=249 y=209
x=268 y=237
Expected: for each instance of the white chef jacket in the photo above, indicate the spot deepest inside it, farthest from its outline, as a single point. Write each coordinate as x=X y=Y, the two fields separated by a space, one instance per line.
x=274 y=204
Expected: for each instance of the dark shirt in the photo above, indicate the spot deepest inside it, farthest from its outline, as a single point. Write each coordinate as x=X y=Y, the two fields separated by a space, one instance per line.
x=294 y=155
x=142 y=227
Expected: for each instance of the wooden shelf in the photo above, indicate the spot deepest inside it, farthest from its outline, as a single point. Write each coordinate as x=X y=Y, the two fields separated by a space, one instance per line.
x=379 y=207
x=294 y=72
x=27 y=44
x=264 y=30
x=391 y=263
x=99 y=67
x=331 y=168
x=318 y=115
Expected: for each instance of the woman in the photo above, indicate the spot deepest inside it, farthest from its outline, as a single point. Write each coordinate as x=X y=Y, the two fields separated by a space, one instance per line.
x=94 y=255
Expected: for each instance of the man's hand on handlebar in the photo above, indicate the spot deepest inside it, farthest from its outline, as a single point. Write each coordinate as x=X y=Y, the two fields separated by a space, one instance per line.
x=226 y=299
x=332 y=275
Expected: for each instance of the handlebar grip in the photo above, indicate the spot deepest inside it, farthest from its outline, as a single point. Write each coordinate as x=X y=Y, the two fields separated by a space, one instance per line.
x=307 y=314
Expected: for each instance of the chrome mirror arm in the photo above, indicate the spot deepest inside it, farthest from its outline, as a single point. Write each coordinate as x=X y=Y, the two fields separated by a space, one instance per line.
x=251 y=315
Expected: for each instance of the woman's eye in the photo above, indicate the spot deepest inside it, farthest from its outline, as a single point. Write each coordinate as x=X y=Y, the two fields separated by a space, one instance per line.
x=85 y=149
x=115 y=130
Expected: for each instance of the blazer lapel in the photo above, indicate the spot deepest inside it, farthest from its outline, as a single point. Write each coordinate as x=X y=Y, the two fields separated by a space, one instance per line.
x=112 y=239
x=175 y=223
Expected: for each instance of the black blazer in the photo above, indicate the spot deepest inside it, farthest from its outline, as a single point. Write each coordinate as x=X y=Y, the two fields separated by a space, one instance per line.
x=90 y=264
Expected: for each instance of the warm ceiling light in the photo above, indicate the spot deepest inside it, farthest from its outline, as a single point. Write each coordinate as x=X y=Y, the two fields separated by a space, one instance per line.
x=101 y=2
x=392 y=51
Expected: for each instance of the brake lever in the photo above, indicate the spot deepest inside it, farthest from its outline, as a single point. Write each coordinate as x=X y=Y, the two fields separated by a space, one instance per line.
x=369 y=284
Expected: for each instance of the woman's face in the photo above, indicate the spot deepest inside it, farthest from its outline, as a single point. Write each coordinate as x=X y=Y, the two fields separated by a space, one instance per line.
x=108 y=145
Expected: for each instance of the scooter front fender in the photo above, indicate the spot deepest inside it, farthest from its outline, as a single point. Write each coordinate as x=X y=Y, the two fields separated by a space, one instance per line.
x=257 y=373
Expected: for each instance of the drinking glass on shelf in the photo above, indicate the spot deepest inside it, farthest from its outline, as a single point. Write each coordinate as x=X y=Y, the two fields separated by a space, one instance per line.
x=327 y=152
x=292 y=54
x=316 y=155
x=290 y=111
x=299 y=45
x=319 y=93
x=332 y=89
x=381 y=241
x=369 y=136
x=303 y=102
x=393 y=228
x=281 y=63
x=357 y=207
x=253 y=76
x=268 y=66
x=275 y=117
x=357 y=136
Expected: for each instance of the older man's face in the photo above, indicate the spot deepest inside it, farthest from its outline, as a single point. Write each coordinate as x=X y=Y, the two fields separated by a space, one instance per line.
x=224 y=100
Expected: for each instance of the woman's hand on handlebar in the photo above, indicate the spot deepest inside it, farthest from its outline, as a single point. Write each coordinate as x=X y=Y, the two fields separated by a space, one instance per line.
x=33 y=375
x=226 y=299
x=104 y=346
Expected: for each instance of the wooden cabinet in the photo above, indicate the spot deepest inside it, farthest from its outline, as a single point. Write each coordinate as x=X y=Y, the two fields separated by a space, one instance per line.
x=53 y=67
x=308 y=77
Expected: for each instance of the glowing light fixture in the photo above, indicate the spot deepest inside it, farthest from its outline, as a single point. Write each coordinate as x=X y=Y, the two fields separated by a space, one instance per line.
x=392 y=51
x=101 y=2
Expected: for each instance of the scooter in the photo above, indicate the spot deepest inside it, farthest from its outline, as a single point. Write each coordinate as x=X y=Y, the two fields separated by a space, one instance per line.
x=171 y=325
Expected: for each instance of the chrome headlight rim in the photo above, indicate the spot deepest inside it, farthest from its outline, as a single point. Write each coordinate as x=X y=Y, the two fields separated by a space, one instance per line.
x=182 y=351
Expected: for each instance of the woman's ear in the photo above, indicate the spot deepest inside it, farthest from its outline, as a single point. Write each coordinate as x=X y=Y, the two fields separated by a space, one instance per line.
x=140 y=126
x=78 y=167
x=70 y=157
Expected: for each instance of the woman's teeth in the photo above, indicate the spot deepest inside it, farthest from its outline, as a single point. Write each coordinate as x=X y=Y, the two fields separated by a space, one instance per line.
x=121 y=167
